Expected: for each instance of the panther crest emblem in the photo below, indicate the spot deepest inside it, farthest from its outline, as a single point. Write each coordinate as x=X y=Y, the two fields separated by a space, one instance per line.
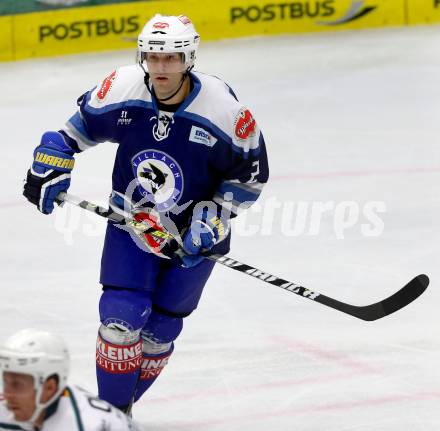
x=162 y=127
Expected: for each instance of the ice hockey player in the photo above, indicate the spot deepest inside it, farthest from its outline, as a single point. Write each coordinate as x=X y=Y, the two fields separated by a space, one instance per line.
x=189 y=156
x=34 y=368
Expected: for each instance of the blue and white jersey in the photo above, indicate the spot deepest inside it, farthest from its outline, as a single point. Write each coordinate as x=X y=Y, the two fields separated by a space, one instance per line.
x=209 y=149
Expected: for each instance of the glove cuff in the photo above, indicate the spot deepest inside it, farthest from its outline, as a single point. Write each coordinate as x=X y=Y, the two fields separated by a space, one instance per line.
x=53 y=153
x=52 y=159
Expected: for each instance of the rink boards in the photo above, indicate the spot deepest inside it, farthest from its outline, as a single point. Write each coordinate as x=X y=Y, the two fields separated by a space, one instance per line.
x=116 y=26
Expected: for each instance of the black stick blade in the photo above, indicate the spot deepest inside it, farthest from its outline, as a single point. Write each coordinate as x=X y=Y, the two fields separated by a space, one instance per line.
x=393 y=303
x=404 y=296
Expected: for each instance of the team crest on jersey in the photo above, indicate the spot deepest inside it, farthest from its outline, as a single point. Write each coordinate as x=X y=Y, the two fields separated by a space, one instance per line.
x=105 y=86
x=244 y=124
x=162 y=127
x=159 y=177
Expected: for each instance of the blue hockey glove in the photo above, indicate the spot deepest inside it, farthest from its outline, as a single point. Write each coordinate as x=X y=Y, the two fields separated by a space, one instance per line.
x=206 y=230
x=50 y=172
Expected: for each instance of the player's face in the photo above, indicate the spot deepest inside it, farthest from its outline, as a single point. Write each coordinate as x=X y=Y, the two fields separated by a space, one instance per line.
x=165 y=71
x=19 y=394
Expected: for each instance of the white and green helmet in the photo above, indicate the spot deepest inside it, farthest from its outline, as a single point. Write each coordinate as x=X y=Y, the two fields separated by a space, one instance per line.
x=40 y=354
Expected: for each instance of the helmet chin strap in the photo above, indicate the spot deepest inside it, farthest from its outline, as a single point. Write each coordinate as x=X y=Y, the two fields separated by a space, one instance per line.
x=147 y=83
x=39 y=406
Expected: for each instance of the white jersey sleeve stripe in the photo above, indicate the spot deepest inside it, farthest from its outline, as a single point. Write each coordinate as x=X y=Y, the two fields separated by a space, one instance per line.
x=90 y=102
x=76 y=130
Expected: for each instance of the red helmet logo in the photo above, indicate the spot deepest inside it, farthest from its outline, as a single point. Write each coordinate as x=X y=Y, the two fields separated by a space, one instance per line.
x=161 y=25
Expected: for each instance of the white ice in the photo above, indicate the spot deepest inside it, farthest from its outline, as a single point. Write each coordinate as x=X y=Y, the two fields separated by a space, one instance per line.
x=348 y=117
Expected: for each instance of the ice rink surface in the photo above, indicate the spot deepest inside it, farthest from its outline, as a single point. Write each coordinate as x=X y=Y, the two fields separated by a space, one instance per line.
x=349 y=119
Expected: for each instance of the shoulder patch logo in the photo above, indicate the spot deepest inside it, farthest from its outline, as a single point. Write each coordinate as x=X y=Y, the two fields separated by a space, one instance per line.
x=106 y=85
x=244 y=124
x=201 y=136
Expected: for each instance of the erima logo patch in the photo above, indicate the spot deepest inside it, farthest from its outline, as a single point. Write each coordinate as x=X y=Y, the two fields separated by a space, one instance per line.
x=123 y=120
x=201 y=136
x=356 y=11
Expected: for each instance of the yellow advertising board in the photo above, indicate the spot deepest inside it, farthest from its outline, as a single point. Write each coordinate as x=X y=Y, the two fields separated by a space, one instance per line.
x=117 y=25
x=423 y=11
x=274 y=17
x=6 y=38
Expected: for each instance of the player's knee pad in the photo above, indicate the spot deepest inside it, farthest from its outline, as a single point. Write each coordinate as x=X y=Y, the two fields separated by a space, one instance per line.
x=161 y=328
x=124 y=309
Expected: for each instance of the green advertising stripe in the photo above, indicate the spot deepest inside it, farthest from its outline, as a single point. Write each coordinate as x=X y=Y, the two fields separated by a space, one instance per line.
x=14 y=7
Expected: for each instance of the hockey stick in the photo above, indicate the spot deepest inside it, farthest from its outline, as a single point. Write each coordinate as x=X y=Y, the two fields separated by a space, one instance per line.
x=393 y=303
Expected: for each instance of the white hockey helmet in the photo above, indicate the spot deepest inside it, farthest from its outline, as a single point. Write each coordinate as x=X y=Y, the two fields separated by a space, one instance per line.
x=169 y=34
x=40 y=354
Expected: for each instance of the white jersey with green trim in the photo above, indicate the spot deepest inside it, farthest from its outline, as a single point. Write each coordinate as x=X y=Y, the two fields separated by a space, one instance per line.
x=75 y=410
